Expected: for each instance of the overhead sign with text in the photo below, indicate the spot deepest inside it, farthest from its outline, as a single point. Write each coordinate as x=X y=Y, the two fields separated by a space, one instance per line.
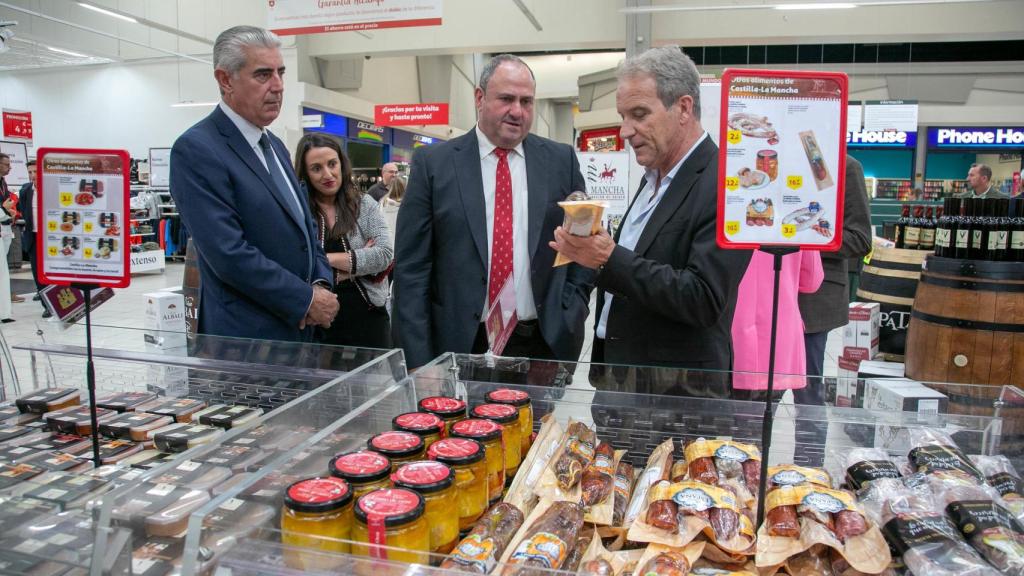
x=410 y=114
x=890 y=115
x=82 y=213
x=965 y=137
x=18 y=125
x=881 y=139
x=782 y=159
x=291 y=17
x=159 y=166
x=19 y=162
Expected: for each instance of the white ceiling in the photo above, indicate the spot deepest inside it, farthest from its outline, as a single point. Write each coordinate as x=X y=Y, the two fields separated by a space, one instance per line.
x=26 y=54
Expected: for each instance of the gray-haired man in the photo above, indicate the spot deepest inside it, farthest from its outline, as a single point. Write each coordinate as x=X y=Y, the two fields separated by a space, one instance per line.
x=263 y=273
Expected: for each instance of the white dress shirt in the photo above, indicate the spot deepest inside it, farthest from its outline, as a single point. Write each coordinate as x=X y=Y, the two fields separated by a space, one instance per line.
x=635 y=222
x=526 y=309
x=252 y=135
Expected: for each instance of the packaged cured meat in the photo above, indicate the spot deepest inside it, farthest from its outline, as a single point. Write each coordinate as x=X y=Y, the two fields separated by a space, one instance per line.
x=158 y=509
x=659 y=465
x=666 y=564
x=133 y=425
x=181 y=437
x=273 y=438
x=148 y=459
x=790 y=475
x=57 y=461
x=599 y=478
x=544 y=543
x=714 y=461
x=12 y=474
x=577 y=454
x=864 y=465
x=11 y=432
x=235 y=458
x=987 y=526
x=181 y=409
x=479 y=551
x=233 y=520
x=76 y=419
x=576 y=552
x=1003 y=477
x=526 y=485
x=598 y=567
x=228 y=417
x=679 y=471
x=194 y=475
x=70 y=443
x=623 y=490
x=935 y=452
x=699 y=508
x=48 y=400
x=65 y=490
x=125 y=401
x=117 y=450
x=11 y=415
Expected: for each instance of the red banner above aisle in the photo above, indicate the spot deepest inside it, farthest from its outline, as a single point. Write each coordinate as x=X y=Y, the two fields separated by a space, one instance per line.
x=410 y=114
x=18 y=125
x=782 y=159
x=292 y=17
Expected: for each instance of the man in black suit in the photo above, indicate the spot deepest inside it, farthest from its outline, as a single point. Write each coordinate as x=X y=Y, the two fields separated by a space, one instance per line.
x=479 y=211
x=26 y=197
x=666 y=292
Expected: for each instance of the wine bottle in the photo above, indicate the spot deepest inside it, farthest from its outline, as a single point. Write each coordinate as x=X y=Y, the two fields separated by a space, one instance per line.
x=999 y=233
x=942 y=228
x=927 y=241
x=1016 y=249
x=901 y=226
x=912 y=231
x=962 y=244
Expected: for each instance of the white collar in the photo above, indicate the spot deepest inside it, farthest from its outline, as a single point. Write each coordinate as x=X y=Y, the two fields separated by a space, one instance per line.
x=250 y=131
x=651 y=175
x=486 y=147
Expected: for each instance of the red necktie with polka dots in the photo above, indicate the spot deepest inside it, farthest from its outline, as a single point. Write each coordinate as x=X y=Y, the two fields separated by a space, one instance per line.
x=501 y=243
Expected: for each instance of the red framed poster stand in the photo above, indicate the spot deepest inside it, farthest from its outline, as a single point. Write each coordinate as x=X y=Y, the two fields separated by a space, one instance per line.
x=782 y=147
x=82 y=233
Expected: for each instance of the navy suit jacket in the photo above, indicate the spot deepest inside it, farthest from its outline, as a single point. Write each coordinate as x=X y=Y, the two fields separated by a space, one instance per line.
x=257 y=261
x=441 y=253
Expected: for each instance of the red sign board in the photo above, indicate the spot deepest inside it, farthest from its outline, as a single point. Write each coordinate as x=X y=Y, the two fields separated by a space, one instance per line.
x=17 y=124
x=410 y=114
x=82 y=217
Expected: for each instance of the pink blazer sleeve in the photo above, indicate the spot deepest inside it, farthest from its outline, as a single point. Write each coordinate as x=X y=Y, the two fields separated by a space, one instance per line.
x=811 y=272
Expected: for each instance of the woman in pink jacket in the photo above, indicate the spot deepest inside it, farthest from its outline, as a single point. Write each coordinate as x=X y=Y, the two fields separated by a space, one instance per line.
x=752 y=321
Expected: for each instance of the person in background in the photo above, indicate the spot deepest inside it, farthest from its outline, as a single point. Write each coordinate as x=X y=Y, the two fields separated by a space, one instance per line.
x=26 y=200
x=979 y=184
x=392 y=202
x=262 y=272
x=8 y=212
x=352 y=232
x=380 y=188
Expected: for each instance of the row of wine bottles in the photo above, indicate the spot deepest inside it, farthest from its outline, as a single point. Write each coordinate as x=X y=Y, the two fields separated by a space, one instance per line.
x=969 y=228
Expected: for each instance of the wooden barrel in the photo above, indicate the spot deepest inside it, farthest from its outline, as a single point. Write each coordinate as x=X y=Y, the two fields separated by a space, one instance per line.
x=890 y=279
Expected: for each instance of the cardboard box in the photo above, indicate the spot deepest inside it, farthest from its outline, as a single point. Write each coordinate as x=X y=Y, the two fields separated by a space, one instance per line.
x=849 y=392
x=878 y=369
x=860 y=335
x=164 y=321
x=903 y=395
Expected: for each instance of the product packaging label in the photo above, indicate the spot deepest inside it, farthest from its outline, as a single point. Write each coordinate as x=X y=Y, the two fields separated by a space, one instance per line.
x=863 y=472
x=475 y=553
x=789 y=475
x=822 y=499
x=937 y=458
x=544 y=548
x=724 y=449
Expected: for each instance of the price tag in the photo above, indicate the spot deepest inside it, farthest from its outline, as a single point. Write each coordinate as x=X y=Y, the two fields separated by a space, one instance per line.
x=66 y=198
x=52 y=250
x=732 y=182
x=51 y=225
x=733 y=136
x=87 y=252
x=789 y=230
x=794 y=182
x=88 y=226
x=732 y=227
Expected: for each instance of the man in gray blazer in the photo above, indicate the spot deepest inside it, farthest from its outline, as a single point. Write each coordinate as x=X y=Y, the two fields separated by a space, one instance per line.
x=479 y=212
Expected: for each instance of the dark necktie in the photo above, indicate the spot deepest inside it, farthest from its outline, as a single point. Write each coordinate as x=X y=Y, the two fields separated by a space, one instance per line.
x=278 y=178
x=501 y=243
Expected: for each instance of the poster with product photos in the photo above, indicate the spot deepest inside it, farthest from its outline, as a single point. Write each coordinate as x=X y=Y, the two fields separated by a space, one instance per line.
x=782 y=159
x=81 y=209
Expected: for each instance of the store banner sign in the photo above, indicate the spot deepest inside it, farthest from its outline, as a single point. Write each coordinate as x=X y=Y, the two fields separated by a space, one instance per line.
x=19 y=159
x=854 y=115
x=890 y=115
x=18 y=125
x=607 y=178
x=782 y=161
x=160 y=167
x=881 y=139
x=359 y=130
x=410 y=114
x=291 y=17
x=82 y=211
x=964 y=137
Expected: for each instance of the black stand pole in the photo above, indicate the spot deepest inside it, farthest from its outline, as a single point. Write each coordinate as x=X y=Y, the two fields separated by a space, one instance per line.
x=769 y=412
x=90 y=372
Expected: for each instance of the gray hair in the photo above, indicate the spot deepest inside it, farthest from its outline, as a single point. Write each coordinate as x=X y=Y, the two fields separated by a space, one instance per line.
x=229 y=49
x=493 y=63
x=674 y=73
x=983 y=170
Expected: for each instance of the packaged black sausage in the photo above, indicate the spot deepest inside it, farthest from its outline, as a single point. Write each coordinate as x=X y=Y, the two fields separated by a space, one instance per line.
x=48 y=400
x=866 y=464
x=181 y=437
x=935 y=452
x=228 y=417
x=987 y=526
x=125 y=401
x=181 y=409
x=76 y=419
x=135 y=426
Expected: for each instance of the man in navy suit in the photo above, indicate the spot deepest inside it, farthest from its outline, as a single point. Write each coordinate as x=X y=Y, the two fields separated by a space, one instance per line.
x=477 y=215
x=263 y=273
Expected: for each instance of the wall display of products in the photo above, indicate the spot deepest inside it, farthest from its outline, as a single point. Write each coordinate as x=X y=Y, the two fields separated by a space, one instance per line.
x=601 y=140
x=782 y=159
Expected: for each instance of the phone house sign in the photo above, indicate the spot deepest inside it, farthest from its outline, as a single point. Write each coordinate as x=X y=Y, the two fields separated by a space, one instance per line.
x=960 y=137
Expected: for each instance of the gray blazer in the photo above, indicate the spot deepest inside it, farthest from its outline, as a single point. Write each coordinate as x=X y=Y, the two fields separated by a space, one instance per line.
x=368 y=261
x=828 y=308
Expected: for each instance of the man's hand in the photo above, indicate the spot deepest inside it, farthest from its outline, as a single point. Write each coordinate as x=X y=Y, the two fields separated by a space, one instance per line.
x=590 y=252
x=322 y=309
x=10 y=206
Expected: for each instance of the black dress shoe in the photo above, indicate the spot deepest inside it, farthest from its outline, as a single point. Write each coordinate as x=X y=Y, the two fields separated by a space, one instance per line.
x=7 y=320
x=47 y=314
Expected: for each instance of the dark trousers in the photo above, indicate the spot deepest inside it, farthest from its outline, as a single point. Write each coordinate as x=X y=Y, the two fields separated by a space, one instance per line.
x=358 y=323
x=812 y=435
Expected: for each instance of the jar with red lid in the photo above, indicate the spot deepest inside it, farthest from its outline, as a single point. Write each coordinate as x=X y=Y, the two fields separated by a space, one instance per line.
x=508 y=417
x=398 y=446
x=424 y=424
x=390 y=525
x=436 y=483
x=488 y=433
x=466 y=457
x=521 y=400
x=768 y=162
x=317 y=515
x=451 y=410
x=364 y=470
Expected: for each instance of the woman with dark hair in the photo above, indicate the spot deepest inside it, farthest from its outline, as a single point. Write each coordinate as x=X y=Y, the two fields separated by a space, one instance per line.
x=353 y=233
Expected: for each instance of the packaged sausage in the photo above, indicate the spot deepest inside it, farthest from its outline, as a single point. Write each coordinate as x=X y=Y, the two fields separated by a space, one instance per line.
x=543 y=542
x=65 y=490
x=13 y=474
x=76 y=419
x=577 y=453
x=57 y=461
x=11 y=432
x=148 y=459
x=125 y=401
x=599 y=477
x=661 y=560
x=48 y=400
x=158 y=509
x=181 y=409
x=11 y=415
x=1002 y=476
x=935 y=452
x=576 y=552
x=235 y=458
x=782 y=520
x=602 y=512
x=535 y=465
x=69 y=443
x=597 y=567
x=194 y=475
x=479 y=551
x=866 y=464
x=135 y=426
x=181 y=437
x=624 y=478
x=227 y=417
x=714 y=461
x=115 y=451
x=659 y=466
x=678 y=512
x=986 y=525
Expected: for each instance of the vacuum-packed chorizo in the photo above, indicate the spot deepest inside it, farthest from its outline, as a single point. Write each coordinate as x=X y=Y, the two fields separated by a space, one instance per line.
x=663 y=514
x=578 y=454
x=598 y=478
x=704 y=470
x=782 y=521
x=849 y=523
x=599 y=567
x=548 y=541
x=725 y=523
x=666 y=564
x=623 y=491
x=480 y=549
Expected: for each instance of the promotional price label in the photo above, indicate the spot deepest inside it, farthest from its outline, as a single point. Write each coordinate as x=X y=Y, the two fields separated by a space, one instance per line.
x=782 y=160
x=83 y=198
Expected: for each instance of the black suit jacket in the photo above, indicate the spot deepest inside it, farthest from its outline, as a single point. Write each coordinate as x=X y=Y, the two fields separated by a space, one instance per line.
x=441 y=255
x=676 y=292
x=28 y=239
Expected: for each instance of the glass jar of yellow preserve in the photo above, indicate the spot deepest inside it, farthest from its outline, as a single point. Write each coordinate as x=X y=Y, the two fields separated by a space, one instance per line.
x=451 y=410
x=466 y=457
x=508 y=417
x=521 y=400
x=436 y=483
x=424 y=424
x=364 y=470
x=398 y=446
x=488 y=433
x=317 y=515
x=390 y=525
